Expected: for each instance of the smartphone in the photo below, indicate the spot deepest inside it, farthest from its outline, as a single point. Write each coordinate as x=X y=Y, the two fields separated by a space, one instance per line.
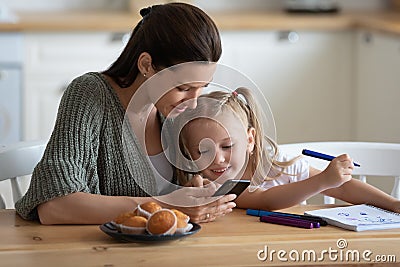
x=232 y=187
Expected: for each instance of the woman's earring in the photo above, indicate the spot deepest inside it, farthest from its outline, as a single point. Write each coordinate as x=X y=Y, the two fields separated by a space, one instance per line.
x=144 y=75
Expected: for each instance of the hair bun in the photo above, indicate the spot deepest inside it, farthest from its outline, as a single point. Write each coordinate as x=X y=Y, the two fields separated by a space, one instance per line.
x=145 y=11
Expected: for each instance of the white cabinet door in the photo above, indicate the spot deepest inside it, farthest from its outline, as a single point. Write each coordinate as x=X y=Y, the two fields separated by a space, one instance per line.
x=51 y=62
x=378 y=87
x=305 y=76
x=10 y=87
x=10 y=98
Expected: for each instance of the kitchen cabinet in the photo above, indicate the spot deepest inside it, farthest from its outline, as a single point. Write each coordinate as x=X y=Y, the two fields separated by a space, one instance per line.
x=321 y=86
x=51 y=62
x=306 y=77
x=302 y=75
x=335 y=85
x=10 y=97
x=10 y=87
x=377 y=87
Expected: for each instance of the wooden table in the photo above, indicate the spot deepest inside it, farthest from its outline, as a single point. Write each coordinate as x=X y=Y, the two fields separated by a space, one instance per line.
x=234 y=240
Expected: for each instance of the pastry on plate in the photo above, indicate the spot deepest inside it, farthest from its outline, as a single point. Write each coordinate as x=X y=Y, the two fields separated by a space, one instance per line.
x=123 y=216
x=162 y=222
x=183 y=224
x=134 y=225
x=148 y=208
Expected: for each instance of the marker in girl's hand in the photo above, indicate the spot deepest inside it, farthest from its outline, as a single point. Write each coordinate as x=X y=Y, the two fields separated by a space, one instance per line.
x=321 y=156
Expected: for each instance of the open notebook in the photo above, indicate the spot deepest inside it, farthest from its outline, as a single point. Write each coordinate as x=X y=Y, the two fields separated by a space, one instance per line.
x=358 y=217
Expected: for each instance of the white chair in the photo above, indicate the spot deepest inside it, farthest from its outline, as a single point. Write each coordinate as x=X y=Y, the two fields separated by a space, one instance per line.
x=376 y=159
x=16 y=160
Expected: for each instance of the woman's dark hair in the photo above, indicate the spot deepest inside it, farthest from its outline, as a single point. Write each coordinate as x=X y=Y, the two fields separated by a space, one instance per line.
x=171 y=33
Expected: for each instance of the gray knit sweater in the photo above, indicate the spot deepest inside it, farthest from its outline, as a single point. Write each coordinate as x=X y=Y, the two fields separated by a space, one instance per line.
x=85 y=152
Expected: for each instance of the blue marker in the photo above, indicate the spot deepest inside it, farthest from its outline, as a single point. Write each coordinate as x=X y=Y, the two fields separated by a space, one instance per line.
x=311 y=218
x=321 y=156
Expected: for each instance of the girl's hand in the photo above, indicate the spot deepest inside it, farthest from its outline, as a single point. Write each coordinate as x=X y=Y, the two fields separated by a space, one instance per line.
x=396 y=206
x=338 y=171
x=198 y=203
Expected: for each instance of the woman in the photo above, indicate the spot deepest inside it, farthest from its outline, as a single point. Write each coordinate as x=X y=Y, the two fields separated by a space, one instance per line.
x=84 y=176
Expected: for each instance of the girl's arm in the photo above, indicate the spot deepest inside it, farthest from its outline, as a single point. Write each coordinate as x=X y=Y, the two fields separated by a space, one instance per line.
x=283 y=196
x=357 y=192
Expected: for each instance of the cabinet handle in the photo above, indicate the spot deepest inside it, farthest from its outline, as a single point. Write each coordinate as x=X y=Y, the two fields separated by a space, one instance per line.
x=120 y=37
x=367 y=37
x=288 y=36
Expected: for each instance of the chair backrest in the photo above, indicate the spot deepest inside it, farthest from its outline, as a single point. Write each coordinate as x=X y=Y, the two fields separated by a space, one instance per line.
x=16 y=160
x=376 y=159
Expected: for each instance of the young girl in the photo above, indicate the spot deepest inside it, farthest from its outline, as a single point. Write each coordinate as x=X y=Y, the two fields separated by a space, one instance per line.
x=224 y=138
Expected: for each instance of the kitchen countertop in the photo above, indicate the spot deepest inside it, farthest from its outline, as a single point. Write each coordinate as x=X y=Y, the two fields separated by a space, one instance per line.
x=381 y=21
x=124 y=21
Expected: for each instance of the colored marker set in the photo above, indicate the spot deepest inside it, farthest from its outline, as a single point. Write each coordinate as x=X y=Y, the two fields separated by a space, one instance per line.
x=289 y=219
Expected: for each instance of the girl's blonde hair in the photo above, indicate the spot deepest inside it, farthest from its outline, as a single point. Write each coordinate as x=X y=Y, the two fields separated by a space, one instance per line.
x=244 y=106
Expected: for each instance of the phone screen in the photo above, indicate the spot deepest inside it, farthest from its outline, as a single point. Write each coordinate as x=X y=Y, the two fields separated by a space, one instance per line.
x=232 y=187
